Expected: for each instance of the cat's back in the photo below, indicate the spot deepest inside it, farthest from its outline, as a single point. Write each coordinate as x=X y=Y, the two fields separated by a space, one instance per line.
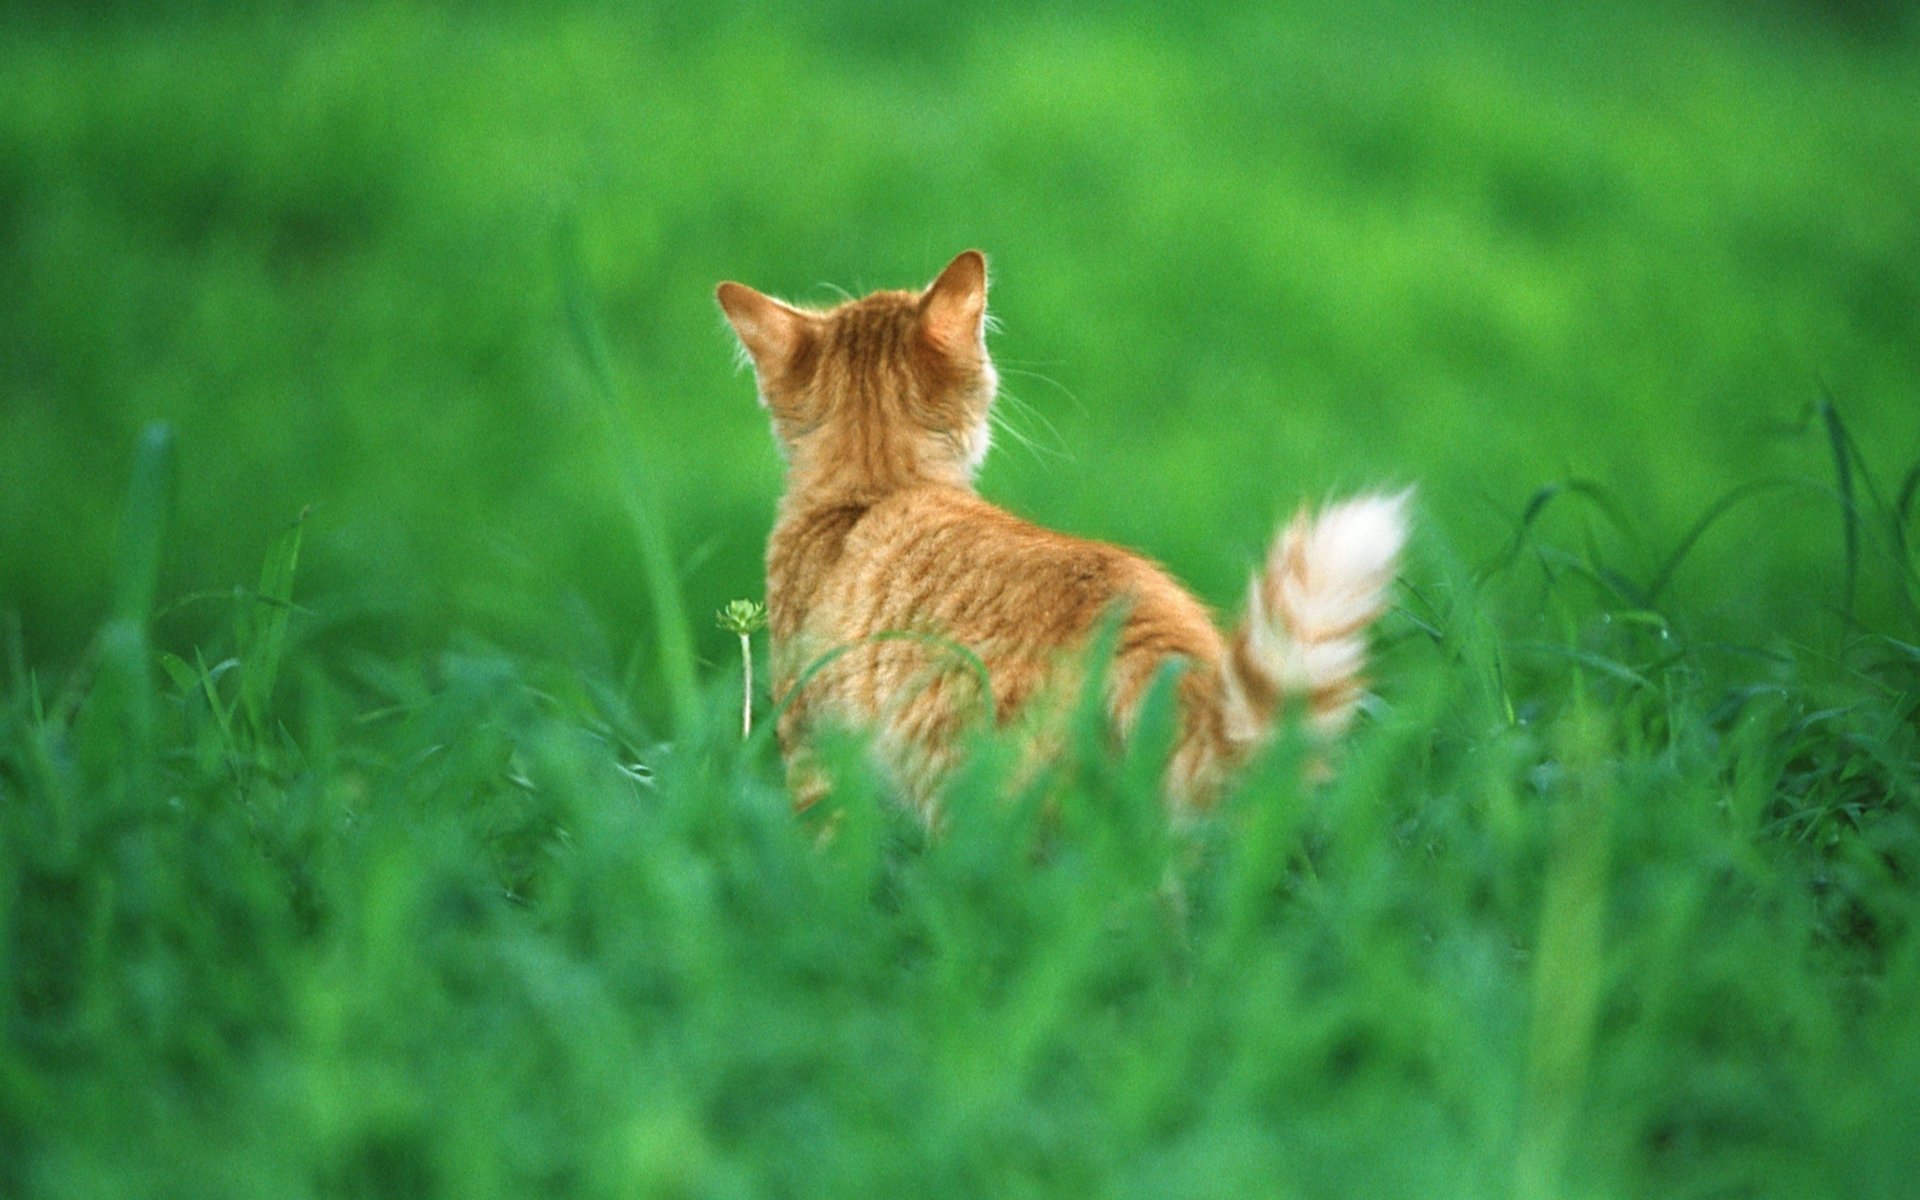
x=943 y=560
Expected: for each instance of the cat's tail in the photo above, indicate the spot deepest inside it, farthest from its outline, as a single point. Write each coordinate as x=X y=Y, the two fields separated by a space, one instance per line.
x=1302 y=640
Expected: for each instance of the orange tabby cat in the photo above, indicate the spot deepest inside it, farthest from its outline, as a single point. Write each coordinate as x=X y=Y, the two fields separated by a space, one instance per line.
x=880 y=407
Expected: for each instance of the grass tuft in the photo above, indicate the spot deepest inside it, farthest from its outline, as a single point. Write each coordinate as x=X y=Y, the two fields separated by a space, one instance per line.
x=1589 y=915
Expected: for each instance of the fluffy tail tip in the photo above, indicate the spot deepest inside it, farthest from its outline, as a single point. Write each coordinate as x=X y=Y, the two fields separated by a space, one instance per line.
x=1353 y=546
x=1326 y=579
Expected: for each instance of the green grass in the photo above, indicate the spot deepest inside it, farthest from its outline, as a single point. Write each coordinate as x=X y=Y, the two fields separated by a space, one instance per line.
x=1576 y=917
x=373 y=814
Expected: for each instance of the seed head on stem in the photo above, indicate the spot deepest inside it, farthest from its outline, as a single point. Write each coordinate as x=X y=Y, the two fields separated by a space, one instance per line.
x=742 y=618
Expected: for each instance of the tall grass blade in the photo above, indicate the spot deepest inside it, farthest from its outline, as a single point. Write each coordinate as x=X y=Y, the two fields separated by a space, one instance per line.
x=1596 y=496
x=1569 y=964
x=1841 y=445
x=1595 y=662
x=673 y=633
x=116 y=728
x=1903 y=503
x=263 y=627
x=143 y=525
x=1899 y=513
x=1705 y=521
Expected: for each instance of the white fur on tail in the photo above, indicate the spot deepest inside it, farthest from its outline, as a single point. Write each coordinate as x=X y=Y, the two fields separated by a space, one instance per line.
x=1304 y=634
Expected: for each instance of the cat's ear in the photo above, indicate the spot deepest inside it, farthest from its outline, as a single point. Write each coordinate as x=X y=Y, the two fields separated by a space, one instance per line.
x=954 y=308
x=770 y=331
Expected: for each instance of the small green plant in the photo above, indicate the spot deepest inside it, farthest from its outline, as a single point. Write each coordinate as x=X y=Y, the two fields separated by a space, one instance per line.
x=744 y=618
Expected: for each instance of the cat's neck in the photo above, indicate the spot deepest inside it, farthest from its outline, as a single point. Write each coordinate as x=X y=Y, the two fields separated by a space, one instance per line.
x=809 y=495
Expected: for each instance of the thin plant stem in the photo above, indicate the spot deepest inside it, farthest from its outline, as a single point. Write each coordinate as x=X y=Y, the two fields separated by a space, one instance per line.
x=741 y=618
x=746 y=686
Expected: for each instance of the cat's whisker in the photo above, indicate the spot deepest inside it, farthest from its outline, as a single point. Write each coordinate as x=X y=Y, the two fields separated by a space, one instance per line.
x=1039 y=414
x=1003 y=422
x=1007 y=369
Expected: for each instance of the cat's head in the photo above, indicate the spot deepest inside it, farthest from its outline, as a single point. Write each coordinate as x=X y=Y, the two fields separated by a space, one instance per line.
x=878 y=393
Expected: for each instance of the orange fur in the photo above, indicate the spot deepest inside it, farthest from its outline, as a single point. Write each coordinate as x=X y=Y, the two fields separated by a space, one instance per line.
x=880 y=407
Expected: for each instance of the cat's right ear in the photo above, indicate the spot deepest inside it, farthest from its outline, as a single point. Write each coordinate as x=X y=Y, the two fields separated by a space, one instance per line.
x=770 y=331
x=954 y=306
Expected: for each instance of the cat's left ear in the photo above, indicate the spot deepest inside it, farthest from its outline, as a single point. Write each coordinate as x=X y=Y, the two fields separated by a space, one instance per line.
x=770 y=331
x=954 y=308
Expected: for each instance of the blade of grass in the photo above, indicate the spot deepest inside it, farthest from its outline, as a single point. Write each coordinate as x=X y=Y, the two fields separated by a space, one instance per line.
x=116 y=724
x=1593 y=493
x=1605 y=666
x=1903 y=503
x=1840 y=444
x=1604 y=578
x=1895 y=512
x=143 y=525
x=1705 y=521
x=673 y=633
x=263 y=626
x=1899 y=513
x=1569 y=961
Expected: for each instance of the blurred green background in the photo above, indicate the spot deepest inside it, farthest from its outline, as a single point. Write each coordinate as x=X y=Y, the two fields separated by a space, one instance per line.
x=1586 y=911
x=1242 y=255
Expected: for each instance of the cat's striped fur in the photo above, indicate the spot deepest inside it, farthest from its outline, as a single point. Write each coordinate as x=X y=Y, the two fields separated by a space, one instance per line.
x=880 y=407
